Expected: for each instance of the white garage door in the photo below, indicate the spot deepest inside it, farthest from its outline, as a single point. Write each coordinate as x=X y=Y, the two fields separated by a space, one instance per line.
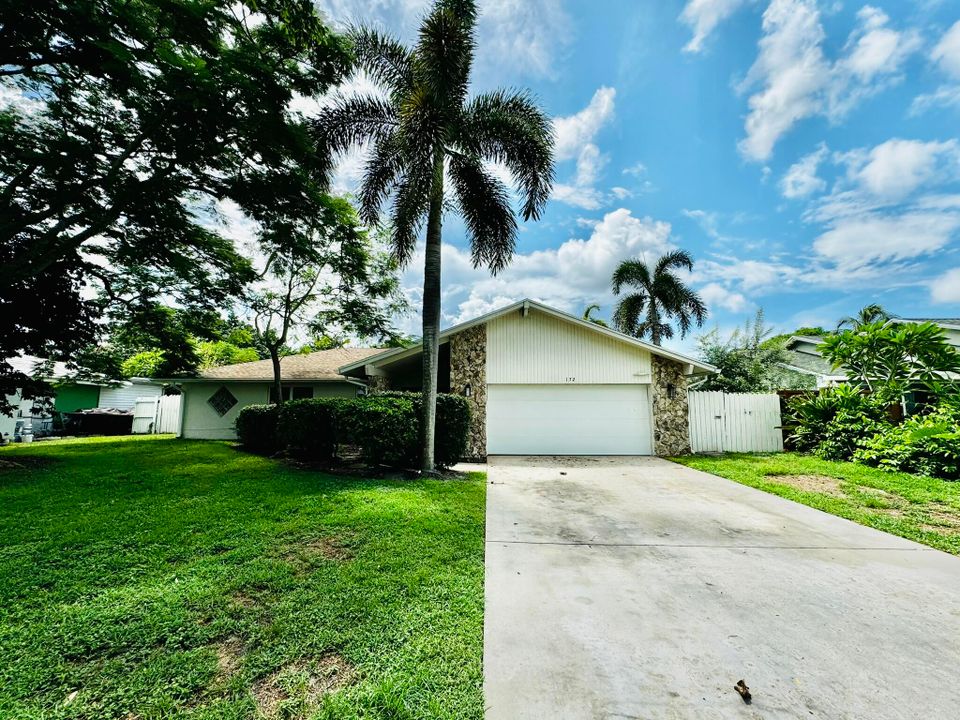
x=568 y=420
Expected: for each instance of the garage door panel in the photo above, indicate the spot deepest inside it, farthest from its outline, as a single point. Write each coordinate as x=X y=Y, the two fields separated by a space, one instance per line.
x=568 y=420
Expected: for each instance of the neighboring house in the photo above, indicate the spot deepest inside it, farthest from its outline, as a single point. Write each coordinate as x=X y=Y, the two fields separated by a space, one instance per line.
x=804 y=358
x=950 y=327
x=542 y=382
x=212 y=401
x=69 y=395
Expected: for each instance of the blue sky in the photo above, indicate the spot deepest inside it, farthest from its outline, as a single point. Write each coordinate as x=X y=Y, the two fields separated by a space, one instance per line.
x=804 y=152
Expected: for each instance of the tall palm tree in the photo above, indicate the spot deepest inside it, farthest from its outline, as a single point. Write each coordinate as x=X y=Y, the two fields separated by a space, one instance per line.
x=425 y=133
x=867 y=315
x=661 y=297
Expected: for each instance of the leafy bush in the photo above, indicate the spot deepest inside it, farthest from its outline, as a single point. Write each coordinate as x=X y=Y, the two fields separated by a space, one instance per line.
x=834 y=421
x=309 y=428
x=385 y=429
x=452 y=428
x=148 y=363
x=257 y=428
x=923 y=444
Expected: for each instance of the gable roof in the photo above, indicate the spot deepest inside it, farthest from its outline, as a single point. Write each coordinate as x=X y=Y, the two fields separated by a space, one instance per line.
x=399 y=353
x=952 y=323
x=318 y=366
x=793 y=342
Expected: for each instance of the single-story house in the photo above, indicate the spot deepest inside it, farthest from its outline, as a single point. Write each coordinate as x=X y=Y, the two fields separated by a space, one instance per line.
x=539 y=381
x=543 y=382
x=212 y=401
x=804 y=357
x=950 y=327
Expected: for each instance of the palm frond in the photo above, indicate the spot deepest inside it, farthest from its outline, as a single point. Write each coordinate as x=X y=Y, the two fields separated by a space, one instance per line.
x=383 y=58
x=350 y=121
x=507 y=127
x=410 y=204
x=631 y=272
x=673 y=259
x=627 y=313
x=443 y=56
x=485 y=205
x=381 y=173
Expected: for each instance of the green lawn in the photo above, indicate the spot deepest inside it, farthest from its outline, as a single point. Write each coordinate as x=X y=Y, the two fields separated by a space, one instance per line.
x=153 y=577
x=919 y=508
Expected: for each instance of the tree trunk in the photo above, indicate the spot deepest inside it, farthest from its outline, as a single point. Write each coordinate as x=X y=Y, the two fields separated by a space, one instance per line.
x=277 y=384
x=431 y=314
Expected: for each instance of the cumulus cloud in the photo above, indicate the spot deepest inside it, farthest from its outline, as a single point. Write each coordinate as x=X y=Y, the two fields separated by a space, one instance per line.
x=573 y=132
x=793 y=79
x=714 y=294
x=801 y=179
x=574 y=274
x=702 y=16
x=946 y=288
x=896 y=168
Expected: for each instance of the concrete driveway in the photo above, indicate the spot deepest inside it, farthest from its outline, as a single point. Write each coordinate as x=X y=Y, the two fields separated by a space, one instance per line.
x=636 y=588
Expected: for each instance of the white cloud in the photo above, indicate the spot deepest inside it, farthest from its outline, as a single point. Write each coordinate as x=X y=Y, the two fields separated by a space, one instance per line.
x=946 y=288
x=574 y=274
x=860 y=241
x=637 y=170
x=943 y=96
x=621 y=193
x=716 y=294
x=797 y=81
x=801 y=179
x=946 y=53
x=582 y=193
x=575 y=131
x=12 y=97
x=896 y=168
x=702 y=16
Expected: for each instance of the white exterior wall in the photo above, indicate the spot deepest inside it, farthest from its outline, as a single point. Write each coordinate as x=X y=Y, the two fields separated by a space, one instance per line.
x=125 y=396
x=542 y=349
x=953 y=336
x=201 y=422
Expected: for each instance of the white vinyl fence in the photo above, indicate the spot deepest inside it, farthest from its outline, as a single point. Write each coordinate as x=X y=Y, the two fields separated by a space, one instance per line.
x=734 y=422
x=157 y=414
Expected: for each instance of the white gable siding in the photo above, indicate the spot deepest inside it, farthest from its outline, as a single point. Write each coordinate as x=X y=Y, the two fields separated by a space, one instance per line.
x=125 y=396
x=542 y=349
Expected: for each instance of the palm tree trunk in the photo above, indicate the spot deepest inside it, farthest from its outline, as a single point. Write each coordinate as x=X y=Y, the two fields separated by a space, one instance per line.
x=431 y=314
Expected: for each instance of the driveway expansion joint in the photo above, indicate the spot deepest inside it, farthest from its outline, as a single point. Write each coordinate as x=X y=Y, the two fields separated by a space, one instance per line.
x=561 y=543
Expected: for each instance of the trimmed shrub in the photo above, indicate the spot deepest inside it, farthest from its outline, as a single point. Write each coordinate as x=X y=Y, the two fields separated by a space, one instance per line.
x=452 y=427
x=385 y=429
x=309 y=428
x=833 y=422
x=923 y=444
x=257 y=428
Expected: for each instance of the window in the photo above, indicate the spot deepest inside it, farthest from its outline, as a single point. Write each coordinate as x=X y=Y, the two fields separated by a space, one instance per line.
x=222 y=401
x=299 y=392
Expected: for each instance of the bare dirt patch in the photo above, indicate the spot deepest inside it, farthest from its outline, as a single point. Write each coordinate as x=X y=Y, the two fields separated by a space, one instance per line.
x=305 y=554
x=230 y=652
x=810 y=483
x=243 y=600
x=295 y=690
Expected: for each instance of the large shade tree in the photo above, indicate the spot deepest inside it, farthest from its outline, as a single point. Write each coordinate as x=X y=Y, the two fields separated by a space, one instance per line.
x=429 y=145
x=123 y=121
x=659 y=298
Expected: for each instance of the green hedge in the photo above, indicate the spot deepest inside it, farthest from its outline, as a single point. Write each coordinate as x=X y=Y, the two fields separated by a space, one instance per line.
x=257 y=428
x=385 y=428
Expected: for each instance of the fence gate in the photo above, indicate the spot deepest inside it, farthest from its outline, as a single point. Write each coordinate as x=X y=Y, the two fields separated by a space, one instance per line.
x=157 y=414
x=734 y=422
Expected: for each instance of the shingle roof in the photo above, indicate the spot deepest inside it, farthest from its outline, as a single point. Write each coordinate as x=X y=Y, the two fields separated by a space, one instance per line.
x=321 y=365
x=939 y=321
x=810 y=363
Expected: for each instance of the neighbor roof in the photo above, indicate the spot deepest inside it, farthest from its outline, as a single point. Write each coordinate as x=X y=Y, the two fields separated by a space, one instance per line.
x=397 y=353
x=947 y=322
x=319 y=366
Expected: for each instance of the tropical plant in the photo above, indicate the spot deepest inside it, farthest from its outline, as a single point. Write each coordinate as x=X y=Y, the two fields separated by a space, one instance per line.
x=148 y=363
x=588 y=316
x=893 y=360
x=660 y=298
x=834 y=421
x=867 y=315
x=424 y=133
x=927 y=444
x=747 y=361
x=214 y=353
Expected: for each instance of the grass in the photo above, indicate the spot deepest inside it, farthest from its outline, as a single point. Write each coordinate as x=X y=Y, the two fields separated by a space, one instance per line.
x=153 y=577
x=923 y=509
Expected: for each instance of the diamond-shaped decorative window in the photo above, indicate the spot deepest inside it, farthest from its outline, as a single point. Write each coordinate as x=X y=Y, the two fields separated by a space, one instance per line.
x=222 y=400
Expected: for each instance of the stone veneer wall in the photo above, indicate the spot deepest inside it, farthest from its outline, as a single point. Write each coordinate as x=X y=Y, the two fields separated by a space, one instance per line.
x=468 y=364
x=671 y=428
